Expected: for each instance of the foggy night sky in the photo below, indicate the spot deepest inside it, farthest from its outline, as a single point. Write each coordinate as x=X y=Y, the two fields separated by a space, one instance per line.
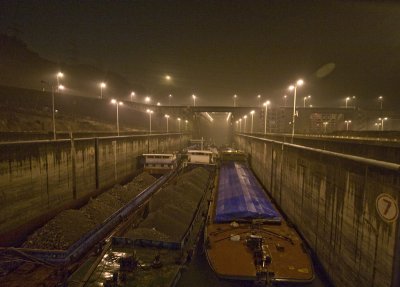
x=216 y=49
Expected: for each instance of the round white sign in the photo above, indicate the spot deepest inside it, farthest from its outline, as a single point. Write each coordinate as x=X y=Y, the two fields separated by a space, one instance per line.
x=387 y=207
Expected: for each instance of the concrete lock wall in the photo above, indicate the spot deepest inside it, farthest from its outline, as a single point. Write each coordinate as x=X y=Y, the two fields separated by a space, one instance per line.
x=344 y=207
x=39 y=179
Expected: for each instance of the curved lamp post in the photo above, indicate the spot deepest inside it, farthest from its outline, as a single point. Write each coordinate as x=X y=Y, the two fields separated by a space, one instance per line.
x=266 y=116
x=149 y=112
x=117 y=103
x=293 y=87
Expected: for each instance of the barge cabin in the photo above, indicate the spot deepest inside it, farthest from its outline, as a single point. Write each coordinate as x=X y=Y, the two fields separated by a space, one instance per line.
x=158 y=164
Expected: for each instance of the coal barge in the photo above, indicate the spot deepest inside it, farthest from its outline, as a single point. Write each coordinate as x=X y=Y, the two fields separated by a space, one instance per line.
x=246 y=238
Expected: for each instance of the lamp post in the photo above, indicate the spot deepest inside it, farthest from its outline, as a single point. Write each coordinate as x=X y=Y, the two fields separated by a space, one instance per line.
x=169 y=99
x=382 y=120
x=347 y=124
x=59 y=75
x=266 y=116
x=179 y=124
x=299 y=83
x=194 y=100
x=252 y=114
x=132 y=95
x=234 y=100
x=259 y=100
x=380 y=99
x=347 y=99
x=284 y=100
x=304 y=100
x=102 y=86
x=245 y=123
x=147 y=100
x=240 y=125
x=167 y=117
x=117 y=103
x=325 y=124
x=186 y=123
x=59 y=88
x=149 y=112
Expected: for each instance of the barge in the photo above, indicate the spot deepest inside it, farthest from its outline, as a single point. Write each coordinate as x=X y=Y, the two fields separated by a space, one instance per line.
x=246 y=238
x=154 y=251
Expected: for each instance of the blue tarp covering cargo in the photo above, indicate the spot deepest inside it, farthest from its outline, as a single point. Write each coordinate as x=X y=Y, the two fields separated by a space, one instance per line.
x=240 y=196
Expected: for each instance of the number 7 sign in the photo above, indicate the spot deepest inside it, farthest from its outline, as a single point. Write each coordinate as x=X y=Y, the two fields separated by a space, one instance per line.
x=387 y=207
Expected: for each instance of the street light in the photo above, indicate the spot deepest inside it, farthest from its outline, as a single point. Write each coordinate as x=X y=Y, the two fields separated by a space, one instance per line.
x=377 y=126
x=179 y=124
x=59 y=75
x=234 y=100
x=347 y=99
x=186 y=123
x=266 y=116
x=380 y=99
x=158 y=104
x=167 y=117
x=132 y=95
x=168 y=77
x=382 y=120
x=147 y=100
x=325 y=124
x=252 y=114
x=117 y=103
x=240 y=125
x=259 y=100
x=102 y=86
x=169 y=99
x=149 y=112
x=245 y=123
x=284 y=100
x=304 y=100
x=59 y=88
x=194 y=100
x=347 y=124
x=299 y=83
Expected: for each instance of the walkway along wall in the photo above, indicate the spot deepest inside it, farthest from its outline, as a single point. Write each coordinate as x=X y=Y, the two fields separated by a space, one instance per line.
x=40 y=178
x=346 y=207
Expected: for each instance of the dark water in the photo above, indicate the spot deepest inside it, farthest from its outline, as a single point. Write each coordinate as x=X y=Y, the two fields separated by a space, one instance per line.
x=199 y=274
